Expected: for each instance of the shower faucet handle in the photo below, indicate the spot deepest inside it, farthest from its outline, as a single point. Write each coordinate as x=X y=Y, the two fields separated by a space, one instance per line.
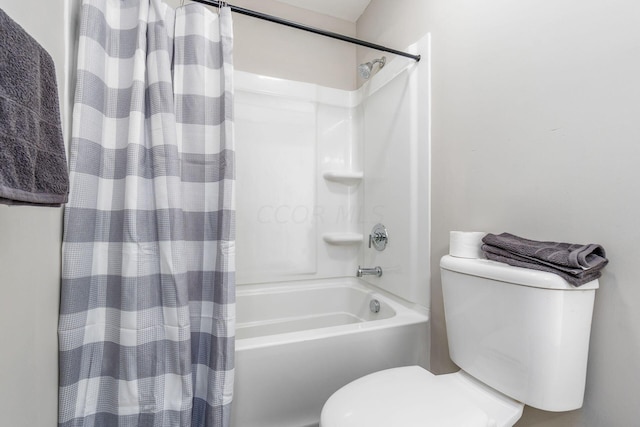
x=379 y=237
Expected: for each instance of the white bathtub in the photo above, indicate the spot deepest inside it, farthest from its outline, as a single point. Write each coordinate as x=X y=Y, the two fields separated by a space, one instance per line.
x=297 y=343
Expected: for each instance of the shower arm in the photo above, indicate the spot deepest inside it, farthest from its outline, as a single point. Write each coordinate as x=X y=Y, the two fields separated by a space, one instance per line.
x=292 y=24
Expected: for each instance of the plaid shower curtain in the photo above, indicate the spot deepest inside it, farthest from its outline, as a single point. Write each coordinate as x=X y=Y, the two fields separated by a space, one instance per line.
x=147 y=316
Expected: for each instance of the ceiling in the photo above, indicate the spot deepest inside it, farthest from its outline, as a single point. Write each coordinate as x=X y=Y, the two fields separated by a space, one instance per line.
x=349 y=10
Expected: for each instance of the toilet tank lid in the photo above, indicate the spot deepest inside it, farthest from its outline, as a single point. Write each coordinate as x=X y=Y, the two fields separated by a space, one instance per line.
x=510 y=274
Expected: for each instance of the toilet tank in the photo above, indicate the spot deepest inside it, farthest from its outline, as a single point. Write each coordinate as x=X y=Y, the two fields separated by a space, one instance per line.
x=523 y=332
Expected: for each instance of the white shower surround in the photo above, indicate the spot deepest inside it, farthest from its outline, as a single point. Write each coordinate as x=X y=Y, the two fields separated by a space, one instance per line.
x=318 y=167
x=289 y=133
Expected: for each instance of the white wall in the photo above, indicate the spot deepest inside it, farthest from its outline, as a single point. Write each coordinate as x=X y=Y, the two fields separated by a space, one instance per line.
x=30 y=266
x=535 y=108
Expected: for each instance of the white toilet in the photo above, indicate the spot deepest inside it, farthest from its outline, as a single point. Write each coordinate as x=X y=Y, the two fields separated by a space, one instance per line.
x=519 y=336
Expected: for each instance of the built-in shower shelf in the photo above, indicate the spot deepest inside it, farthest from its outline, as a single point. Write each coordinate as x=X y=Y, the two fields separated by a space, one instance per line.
x=342 y=238
x=343 y=177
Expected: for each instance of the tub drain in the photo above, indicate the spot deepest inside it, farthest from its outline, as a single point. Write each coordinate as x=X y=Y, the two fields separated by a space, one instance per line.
x=374 y=306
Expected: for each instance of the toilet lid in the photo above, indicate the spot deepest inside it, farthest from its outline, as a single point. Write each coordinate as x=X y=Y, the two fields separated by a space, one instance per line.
x=413 y=397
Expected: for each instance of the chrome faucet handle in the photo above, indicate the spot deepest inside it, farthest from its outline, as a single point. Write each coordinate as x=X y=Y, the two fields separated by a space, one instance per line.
x=379 y=237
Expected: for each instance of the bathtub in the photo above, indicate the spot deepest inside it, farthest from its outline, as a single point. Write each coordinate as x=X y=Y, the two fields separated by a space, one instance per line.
x=297 y=343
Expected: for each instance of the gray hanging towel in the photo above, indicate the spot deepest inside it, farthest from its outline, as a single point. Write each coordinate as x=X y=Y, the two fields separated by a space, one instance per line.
x=33 y=163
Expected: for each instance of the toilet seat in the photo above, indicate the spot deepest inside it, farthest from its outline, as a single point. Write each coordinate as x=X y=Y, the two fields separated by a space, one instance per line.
x=413 y=397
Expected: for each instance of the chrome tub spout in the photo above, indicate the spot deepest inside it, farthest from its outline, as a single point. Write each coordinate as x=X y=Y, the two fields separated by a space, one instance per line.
x=364 y=271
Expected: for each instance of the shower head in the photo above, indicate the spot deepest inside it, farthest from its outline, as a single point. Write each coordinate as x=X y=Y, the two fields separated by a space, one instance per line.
x=365 y=69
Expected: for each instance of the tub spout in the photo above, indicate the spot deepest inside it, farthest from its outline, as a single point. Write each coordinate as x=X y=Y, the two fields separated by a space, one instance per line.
x=374 y=271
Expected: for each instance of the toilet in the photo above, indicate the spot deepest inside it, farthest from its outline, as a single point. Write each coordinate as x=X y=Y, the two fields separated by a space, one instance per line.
x=519 y=336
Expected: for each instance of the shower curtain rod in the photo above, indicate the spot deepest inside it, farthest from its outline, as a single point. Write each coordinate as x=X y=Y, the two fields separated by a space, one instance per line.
x=293 y=24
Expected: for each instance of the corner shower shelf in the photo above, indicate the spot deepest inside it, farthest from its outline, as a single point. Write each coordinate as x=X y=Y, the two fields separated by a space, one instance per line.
x=342 y=238
x=343 y=177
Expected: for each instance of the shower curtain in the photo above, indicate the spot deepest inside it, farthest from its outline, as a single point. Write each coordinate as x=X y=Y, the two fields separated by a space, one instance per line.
x=147 y=316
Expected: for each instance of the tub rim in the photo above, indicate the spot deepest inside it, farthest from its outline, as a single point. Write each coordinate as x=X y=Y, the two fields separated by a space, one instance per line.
x=405 y=313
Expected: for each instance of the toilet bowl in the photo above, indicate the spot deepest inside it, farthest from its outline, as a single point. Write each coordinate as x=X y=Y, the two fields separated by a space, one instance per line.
x=413 y=397
x=519 y=336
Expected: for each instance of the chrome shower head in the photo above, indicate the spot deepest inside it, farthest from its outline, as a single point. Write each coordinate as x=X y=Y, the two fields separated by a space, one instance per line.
x=365 y=69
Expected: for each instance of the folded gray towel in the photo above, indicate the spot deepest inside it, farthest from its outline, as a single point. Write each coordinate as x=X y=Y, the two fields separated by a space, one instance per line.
x=578 y=264
x=577 y=278
x=33 y=162
x=575 y=256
